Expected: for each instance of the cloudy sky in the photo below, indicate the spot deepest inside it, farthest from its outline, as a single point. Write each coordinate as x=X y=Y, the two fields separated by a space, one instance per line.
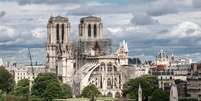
x=147 y=25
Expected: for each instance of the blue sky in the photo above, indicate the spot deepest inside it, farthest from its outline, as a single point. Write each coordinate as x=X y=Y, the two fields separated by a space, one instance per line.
x=147 y=25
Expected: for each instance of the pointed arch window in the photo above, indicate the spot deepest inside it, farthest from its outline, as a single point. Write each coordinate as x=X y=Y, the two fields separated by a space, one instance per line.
x=102 y=65
x=109 y=83
x=109 y=67
x=89 y=30
x=57 y=32
x=95 y=30
x=62 y=32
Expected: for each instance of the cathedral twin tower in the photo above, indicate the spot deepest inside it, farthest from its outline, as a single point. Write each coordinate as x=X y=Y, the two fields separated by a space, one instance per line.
x=59 y=29
x=59 y=47
x=88 y=60
x=90 y=28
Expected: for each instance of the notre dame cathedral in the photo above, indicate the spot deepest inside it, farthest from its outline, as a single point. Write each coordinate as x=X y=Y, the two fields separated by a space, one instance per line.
x=87 y=60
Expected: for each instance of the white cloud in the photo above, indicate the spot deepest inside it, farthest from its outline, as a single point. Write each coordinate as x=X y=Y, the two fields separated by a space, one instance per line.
x=196 y=3
x=185 y=29
x=39 y=33
x=194 y=56
x=163 y=21
x=2 y=13
x=115 y=30
x=143 y=20
x=7 y=34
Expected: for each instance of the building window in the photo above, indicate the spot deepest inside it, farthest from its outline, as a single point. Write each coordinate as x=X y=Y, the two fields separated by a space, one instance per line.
x=89 y=30
x=101 y=82
x=82 y=29
x=63 y=33
x=74 y=65
x=95 y=30
x=57 y=32
x=115 y=68
x=109 y=67
x=102 y=66
x=109 y=84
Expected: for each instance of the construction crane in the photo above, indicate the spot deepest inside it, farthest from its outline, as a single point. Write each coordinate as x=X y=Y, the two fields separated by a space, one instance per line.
x=31 y=64
x=33 y=76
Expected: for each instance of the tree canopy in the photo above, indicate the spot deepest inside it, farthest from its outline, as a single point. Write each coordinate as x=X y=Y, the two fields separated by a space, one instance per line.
x=22 y=88
x=67 y=91
x=6 y=80
x=90 y=91
x=148 y=85
x=159 y=95
x=48 y=86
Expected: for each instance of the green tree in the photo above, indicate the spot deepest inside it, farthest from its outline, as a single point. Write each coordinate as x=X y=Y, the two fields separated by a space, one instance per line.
x=41 y=82
x=67 y=91
x=148 y=85
x=6 y=80
x=22 y=88
x=90 y=91
x=159 y=95
x=48 y=86
x=53 y=90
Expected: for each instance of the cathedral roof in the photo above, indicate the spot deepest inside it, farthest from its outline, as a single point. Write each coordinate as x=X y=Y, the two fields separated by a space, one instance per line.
x=58 y=18
x=90 y=19
x=104 y=57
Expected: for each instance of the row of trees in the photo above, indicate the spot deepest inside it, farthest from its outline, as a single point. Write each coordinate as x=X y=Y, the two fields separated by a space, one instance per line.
x=46 y=86
x=150 y=89
x=6 y=81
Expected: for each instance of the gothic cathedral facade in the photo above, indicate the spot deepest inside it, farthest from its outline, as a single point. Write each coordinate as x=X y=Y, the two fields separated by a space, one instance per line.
x=87 y=60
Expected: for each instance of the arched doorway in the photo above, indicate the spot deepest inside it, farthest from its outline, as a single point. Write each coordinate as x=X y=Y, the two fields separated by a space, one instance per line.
x=109 y=94
x=117 y=95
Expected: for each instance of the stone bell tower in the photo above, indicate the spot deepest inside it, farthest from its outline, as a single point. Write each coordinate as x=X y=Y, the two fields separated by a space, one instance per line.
x=58 y=29
x=60 y=51
x=90 y=28
x=91 y=37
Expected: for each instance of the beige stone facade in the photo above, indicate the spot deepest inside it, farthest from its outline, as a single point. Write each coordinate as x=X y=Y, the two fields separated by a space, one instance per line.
x=88 y=60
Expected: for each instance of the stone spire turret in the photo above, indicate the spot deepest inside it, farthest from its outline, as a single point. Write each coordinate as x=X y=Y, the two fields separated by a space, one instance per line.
x=173 y=93
x=122 y=53
x=58 y=30
x=139 y=93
